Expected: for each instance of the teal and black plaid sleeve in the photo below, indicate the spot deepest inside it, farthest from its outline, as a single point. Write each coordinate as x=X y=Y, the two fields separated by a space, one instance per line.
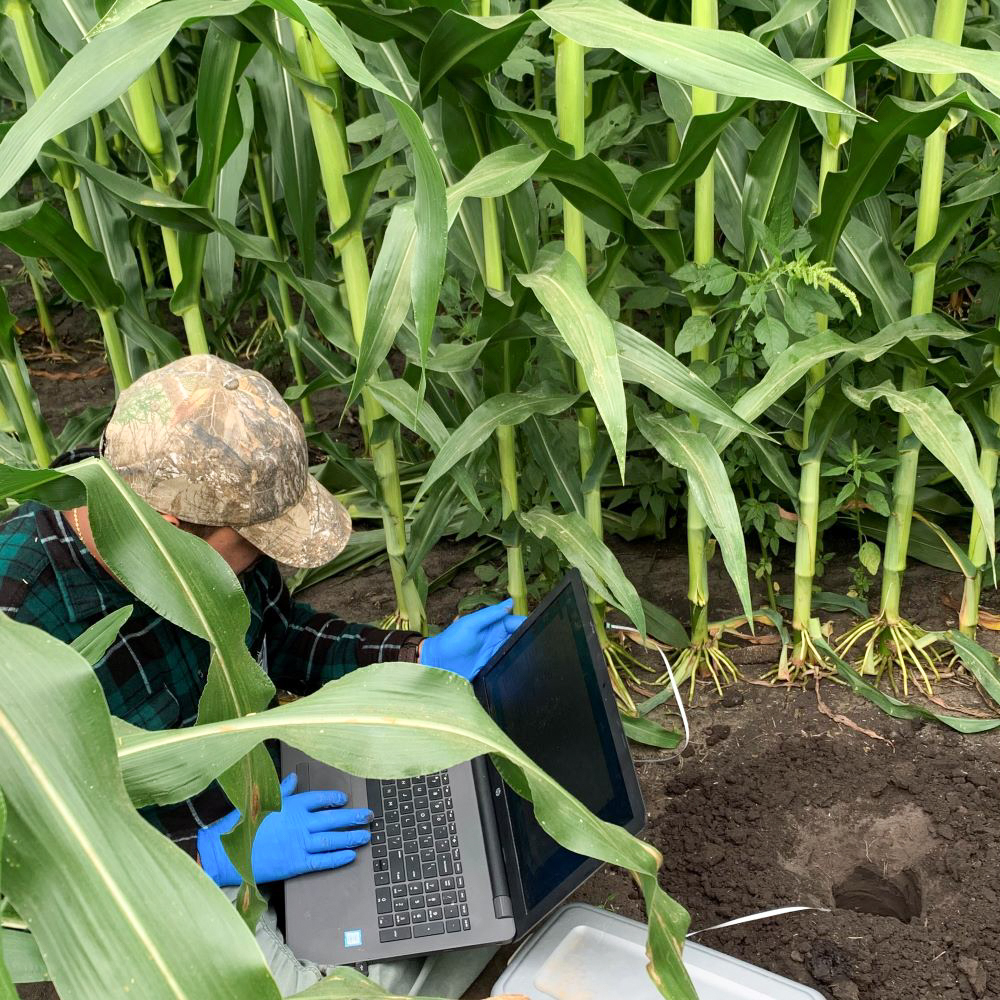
x=306 y=648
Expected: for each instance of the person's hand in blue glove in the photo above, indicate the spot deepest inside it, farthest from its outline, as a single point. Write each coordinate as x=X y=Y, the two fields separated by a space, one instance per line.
x=467 y=644
x=311 y=833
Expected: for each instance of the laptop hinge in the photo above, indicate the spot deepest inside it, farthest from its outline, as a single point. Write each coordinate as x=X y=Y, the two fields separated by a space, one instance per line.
x=502 y=906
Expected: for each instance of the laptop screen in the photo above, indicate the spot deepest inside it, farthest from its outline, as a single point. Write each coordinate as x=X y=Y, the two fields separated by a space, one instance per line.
x=545 y=692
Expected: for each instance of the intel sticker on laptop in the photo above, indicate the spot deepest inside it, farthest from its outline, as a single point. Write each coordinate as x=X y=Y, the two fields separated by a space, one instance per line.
x=352 y=939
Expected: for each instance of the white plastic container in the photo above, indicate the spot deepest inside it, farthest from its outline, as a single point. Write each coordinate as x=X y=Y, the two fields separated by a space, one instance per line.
x=584 y=953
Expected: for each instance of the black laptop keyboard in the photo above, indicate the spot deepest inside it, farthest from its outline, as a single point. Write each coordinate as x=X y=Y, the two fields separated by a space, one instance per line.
x=419 y=882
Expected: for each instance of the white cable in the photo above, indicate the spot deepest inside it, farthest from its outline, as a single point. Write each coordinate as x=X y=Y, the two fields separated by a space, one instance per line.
x=763 y=915
x=673 y=686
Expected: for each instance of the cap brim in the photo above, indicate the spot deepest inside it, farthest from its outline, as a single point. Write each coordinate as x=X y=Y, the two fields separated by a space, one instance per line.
x=309 y=534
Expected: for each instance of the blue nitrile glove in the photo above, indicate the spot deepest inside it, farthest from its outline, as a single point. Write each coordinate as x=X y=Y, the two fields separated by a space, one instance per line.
x=467 y=644
x=310 y=834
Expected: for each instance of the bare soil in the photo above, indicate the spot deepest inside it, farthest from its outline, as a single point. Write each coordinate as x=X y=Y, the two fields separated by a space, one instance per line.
x=773 y=803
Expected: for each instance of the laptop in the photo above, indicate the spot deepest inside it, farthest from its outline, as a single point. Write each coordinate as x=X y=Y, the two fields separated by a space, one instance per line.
x=457 y=859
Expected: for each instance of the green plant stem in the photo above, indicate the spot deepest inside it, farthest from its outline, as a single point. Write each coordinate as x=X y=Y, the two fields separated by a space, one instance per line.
x=949 y=20
x=38 y=75
x=330 y=137
x=968 y=619
x=571 y=118
x=170 y=89
x=517 y=586
x=284 y=295
x=142 y=245
x=840 y=18
x=704 y=14
x=22 y=396
x=101 y=154
x=147 y=127
x=44 y=316
x=536 y=76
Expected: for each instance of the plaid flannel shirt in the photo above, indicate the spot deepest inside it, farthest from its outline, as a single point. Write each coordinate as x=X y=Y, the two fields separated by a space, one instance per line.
x=154 y=673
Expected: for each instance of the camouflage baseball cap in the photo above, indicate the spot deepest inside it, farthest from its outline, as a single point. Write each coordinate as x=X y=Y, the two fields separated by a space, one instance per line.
x=213 y=443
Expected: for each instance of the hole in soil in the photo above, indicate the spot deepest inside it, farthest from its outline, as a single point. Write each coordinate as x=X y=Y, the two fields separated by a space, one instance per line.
x=866 y=890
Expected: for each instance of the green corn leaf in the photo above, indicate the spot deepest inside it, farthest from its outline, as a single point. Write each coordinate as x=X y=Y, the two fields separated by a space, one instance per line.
x=724 y=61
x=945 y=435
x=929 y=55
x=292 y=151
x=981 y=663
x=390 y=292
x=962 y=563
x=912 y=328
x=875 y=152
x=650 y=733
x=581 y=547
x=899 y=18
x=953 y=215
x=775 y=467
x=547 y=447
x=67 y=21
x=7 y=991
x=590 y=185
x=462 y=46
x=401 y=401
x=94 y=643
x=700 y=142
x=643 y=361
x=503 y=410
x=70 y=823
x=23 y=959
x=871 y=266
x=220 y=127
x=429 y=210
x=772 y=173
x=688 y=449
x=560 y=287
x=495 y=175
x=388 y=295
x=790 y=366
x=437 y=515
x=925 y=545
x=893 y=706
x=97 y=76
x=118 y=12
x=664 y=627
x=154 y=561
x=38 y=230
x=787 y=13
x=220 y=255
x=345 y=983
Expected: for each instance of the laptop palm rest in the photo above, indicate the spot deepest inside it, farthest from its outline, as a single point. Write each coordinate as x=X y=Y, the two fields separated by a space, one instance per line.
x=333 y=918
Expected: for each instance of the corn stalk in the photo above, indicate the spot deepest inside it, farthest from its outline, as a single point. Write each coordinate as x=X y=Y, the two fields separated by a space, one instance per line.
x=704 y=14
x=31 y=52
x=840 y=17
x=949 y=20
x=329 y=133
x=571 y=98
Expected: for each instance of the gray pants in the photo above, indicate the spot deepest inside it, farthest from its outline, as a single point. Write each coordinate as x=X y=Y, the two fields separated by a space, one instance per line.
x=445 y=974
